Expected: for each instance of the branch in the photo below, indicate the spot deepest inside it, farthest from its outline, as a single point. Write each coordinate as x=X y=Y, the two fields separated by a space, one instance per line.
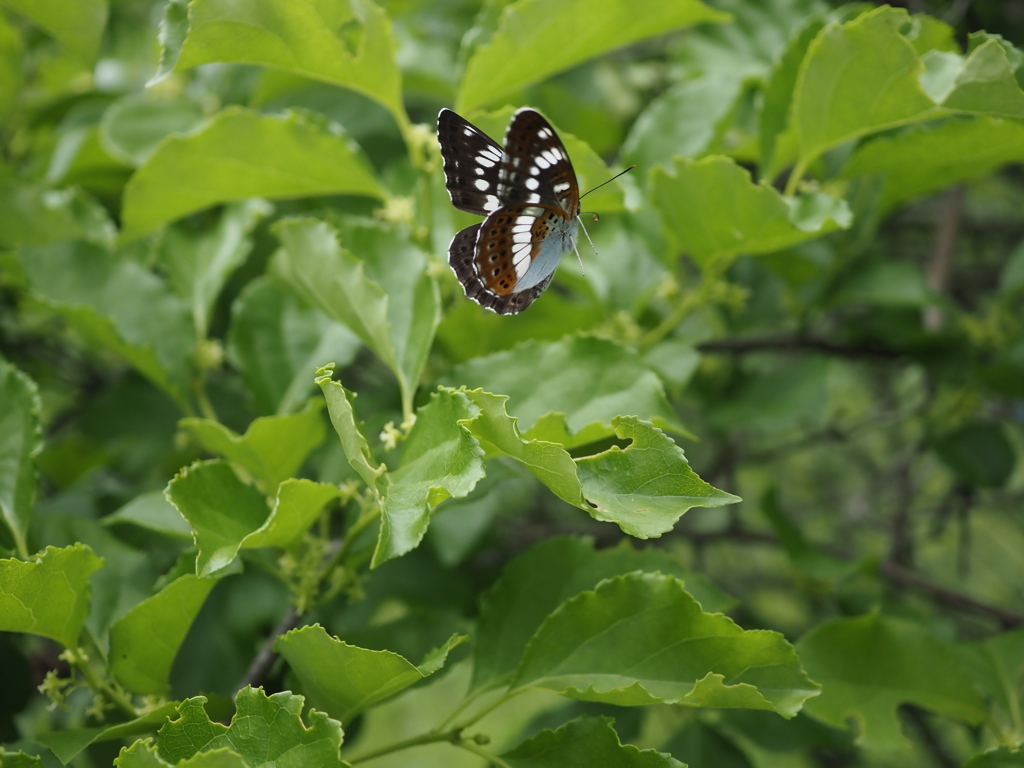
x=890 y=571
x=949 y=597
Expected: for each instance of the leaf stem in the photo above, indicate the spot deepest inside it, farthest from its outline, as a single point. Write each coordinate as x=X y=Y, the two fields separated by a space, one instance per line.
x=104 y=688
x=465 y=703
x=507 y=696
x=431 y=737
x=692 y=301
x=795 y=177
x=476 y=749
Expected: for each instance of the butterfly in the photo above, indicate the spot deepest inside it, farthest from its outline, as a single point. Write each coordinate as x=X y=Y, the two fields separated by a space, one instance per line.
x=529 y=194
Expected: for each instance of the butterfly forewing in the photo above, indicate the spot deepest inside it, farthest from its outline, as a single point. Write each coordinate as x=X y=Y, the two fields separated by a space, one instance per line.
x=536 y=167
x=472 y=164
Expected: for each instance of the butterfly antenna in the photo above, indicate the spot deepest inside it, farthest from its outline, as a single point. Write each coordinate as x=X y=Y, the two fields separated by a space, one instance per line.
x=613 y=178
x=588 y=240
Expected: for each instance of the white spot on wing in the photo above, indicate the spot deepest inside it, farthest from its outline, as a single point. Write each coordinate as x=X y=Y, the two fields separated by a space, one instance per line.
x=469 y=131
x=542 y=161
x=481 y=184
x=522 y=262
x=532 y=183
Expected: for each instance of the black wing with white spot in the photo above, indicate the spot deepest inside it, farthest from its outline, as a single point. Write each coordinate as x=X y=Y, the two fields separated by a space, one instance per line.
x=472 y=164
x=536 y=167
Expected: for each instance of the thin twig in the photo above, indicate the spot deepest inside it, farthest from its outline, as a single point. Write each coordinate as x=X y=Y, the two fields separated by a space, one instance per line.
x=264 y=660
x=941 y=261
x=901 y=551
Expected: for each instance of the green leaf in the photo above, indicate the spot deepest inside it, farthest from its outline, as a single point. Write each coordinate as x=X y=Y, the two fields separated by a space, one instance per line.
x=117 y=304
x=221 y=509
x=198 y=266
x=20 y=441
x=928 y=158
x=980 y=453
x=154 y=512
x=986 y=83
x=647 y=487
x=530 y=43
x=31 y=215
x=353 y=442
x=459 y=525
x=440 y=458
x=19 y=760
x=132 y=127
x=778 y=148
x=344 y=680
x=67 y=744
x=545 y=576
x=49 y=595
x=386 y=297
x=12 y=74
x=272 y=449
x=610 y=485
x=79 y=25
x=277 y=343
x=883 y=283
x=997 y=757
x=857 y=78
x=583 y=743
x=498 y=435
x=701 y=742
x=996 y=665
x=297 y=506
x=239 y=154
x=265 y=731
x=641 y=638
x=870 y=665
x=347 y=43
x=587 y=382
x=144 y=642
x=715 y=211
x=1011 y=281
x=680 y=122
x=802 y=554
x=144 y=754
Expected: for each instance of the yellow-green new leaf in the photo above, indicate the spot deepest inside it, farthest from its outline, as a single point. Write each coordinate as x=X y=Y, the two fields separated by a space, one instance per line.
x=536 y=39
x=49 y=595
x=240 y=154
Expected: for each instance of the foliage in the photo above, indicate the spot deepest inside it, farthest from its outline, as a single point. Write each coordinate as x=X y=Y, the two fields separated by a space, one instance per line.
x=273 y=491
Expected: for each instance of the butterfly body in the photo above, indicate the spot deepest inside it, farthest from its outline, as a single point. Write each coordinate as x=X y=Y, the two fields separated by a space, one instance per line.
x=529 y=194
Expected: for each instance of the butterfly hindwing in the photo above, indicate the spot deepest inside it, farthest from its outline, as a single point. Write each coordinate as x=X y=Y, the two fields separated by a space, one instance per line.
x=469 y=265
